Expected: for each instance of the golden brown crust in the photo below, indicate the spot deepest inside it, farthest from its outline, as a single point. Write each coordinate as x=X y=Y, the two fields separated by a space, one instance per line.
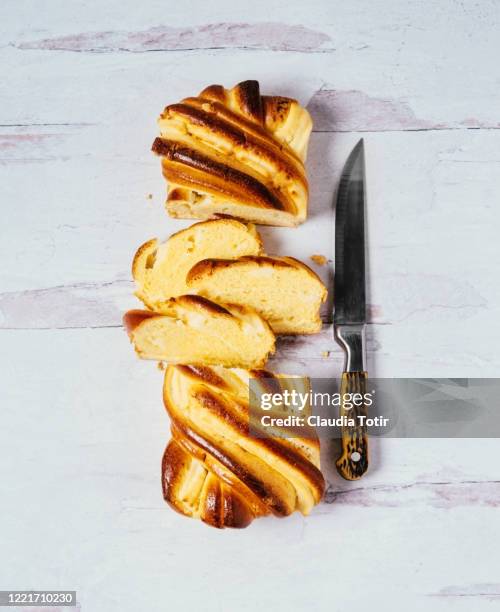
x=252 y=481
x=242 y=477
x=234 y=152
x=202 y=304
x=214 y=92
x=212 y=176
x=255 y=505
x=247 y=132
x=219 y=504
x=300 y=264
x=173 y=462
x=133 y=318
x=179 y=194
x=232 y=132
x=213 y=403
x=145 y=248
x=207 y=267
x=276 y=109
x=204 y=374
x=249 y=100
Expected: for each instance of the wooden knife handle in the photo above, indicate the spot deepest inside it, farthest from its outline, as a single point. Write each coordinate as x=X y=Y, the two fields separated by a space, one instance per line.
x=353 y=462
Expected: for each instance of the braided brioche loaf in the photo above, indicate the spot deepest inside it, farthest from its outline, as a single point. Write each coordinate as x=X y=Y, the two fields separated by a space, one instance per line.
x=235 y=152
x=214 y=470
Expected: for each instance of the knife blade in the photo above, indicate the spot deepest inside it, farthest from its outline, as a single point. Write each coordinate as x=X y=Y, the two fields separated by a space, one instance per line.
x=350 y=310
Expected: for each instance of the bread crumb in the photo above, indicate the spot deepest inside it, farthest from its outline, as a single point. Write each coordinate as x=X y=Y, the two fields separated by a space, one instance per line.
x=325 y=354
x=321 y=260
x=161 y=366
x=149 y=196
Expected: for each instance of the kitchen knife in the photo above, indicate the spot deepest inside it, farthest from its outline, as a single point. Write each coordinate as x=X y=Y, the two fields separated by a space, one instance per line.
x=350 y=310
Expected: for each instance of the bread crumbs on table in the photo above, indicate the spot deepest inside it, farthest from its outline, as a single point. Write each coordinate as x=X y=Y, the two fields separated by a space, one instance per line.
x=321 y=260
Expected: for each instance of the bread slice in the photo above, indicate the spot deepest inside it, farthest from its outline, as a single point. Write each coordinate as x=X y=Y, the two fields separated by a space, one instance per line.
x=160 y=270
x=193 y=330
x=236 y=152
x=283 y=290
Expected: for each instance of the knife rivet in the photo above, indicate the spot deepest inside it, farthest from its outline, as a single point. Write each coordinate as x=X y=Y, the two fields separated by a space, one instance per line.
x=355 y=456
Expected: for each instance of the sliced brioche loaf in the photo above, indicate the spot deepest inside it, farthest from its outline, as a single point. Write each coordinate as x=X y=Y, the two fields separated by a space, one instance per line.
x=160 y=270
x=283 y=290
x=193 y=330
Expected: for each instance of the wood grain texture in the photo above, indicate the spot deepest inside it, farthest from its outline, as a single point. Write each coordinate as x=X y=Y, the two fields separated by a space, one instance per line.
x=434 y=494
x=81 y=85
x=486 y=591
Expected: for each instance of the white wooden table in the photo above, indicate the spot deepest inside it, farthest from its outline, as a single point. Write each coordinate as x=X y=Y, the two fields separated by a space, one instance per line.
x=83 y=427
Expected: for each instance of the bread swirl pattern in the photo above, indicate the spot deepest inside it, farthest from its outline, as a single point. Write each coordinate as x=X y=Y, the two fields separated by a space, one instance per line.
x=238 y=153
x=214 y=470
